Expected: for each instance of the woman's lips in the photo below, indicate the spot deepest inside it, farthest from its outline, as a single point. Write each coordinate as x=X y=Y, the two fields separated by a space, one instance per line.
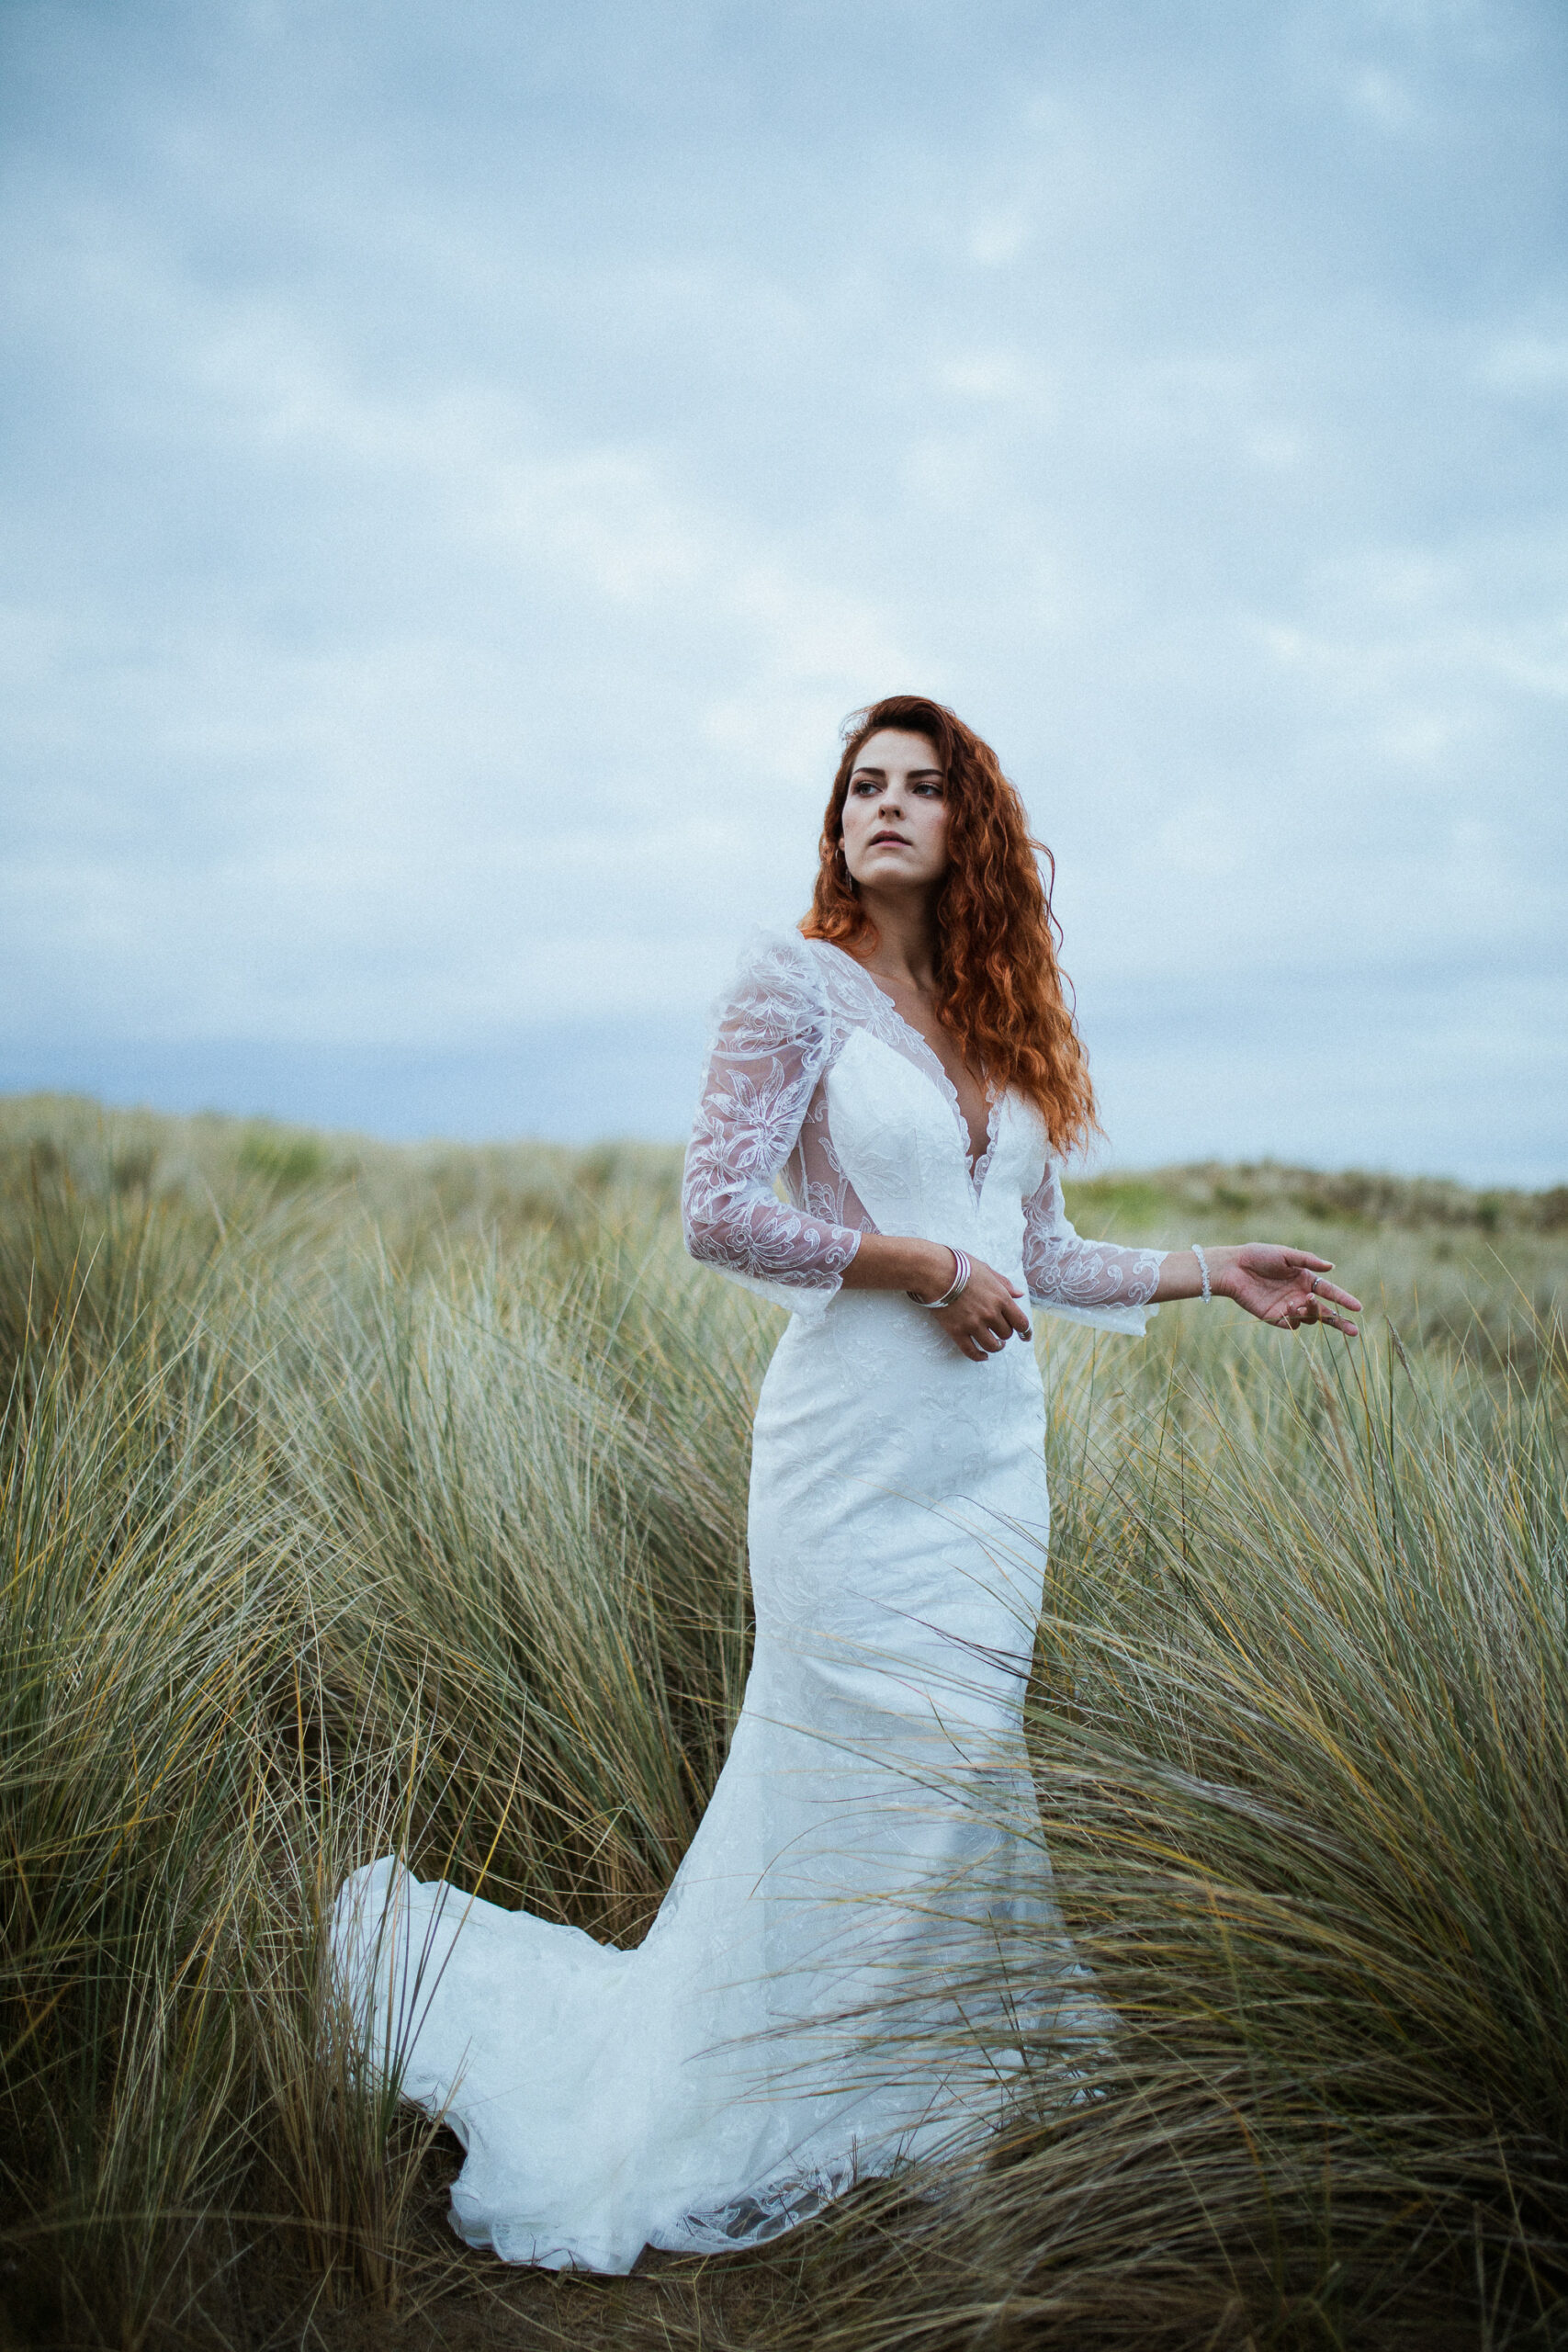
x=899 y=838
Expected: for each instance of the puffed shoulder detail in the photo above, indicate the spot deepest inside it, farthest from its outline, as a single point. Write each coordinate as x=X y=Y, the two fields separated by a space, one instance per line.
x=777 y=955
x=776 y=991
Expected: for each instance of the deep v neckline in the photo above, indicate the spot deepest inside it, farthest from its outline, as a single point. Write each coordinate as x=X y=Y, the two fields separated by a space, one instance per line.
x=932 y=1067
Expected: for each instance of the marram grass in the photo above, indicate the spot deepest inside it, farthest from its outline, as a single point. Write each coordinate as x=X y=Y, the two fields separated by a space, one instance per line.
x=1301 y=1743
x=352 y=1499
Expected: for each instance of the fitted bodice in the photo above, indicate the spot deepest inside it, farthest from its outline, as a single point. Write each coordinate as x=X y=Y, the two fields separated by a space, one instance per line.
x=816 y=1083
x=902 y=1149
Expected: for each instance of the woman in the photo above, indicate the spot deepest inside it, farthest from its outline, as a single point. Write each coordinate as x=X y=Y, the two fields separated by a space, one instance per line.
x=829 y=1990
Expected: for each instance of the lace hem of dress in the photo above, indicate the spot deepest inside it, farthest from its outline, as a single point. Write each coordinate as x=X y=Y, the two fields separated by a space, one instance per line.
x=753 y=2217
x=767 y=2211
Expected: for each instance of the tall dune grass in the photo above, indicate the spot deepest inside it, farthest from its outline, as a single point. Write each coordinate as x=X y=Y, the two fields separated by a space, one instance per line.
x=352 y=1499
x=1301 y=1743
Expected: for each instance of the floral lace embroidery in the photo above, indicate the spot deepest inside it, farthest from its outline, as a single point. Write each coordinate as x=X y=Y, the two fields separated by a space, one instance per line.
x=1062 y=1269
x=775 y=1042
x=764 y=1117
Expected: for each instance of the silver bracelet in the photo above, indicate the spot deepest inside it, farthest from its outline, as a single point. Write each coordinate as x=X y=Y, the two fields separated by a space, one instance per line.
x=962 y=1270
x=1203 y=1270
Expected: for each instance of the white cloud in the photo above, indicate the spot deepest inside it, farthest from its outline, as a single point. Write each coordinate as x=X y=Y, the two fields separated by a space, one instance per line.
x=461 y=477
x=1001 y=236
x=1530 y=365
x=986 y=376
x=1382 y=98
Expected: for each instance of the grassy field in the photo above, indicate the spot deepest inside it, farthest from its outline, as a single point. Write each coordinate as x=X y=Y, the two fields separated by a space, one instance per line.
x=357 y=1496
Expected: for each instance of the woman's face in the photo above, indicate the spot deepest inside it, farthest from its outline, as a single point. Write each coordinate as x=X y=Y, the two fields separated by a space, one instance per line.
x=896 y=813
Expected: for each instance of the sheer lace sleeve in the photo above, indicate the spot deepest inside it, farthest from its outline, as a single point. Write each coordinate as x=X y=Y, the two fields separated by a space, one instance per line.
x=773 y=1042
x=1090 y=1282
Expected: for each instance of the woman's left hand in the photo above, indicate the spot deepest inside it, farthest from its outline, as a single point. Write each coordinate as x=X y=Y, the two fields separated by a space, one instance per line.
x=1284 y=1287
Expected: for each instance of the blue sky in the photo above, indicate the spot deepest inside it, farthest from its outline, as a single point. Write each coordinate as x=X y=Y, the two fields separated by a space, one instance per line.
x=460 y=464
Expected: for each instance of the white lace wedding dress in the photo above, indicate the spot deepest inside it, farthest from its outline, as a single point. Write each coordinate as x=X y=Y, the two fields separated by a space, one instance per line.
x=810 y=2007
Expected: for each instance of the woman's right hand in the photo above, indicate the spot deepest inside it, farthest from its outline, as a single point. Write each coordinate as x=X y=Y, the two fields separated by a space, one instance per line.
x=986 y=1315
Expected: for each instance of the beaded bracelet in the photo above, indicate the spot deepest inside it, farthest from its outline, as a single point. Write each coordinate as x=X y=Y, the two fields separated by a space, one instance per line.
x=962 y=1271
x=1203 y=1271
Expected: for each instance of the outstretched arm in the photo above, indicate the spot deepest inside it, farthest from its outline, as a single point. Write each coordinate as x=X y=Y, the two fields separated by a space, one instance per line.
x=1285 y=1287
x=1099 y=1282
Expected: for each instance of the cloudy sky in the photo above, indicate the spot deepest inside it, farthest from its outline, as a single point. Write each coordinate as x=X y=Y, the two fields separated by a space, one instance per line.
x=461 y=463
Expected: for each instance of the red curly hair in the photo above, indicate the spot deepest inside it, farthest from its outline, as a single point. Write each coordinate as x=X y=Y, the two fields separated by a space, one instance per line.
x=1000 y=988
